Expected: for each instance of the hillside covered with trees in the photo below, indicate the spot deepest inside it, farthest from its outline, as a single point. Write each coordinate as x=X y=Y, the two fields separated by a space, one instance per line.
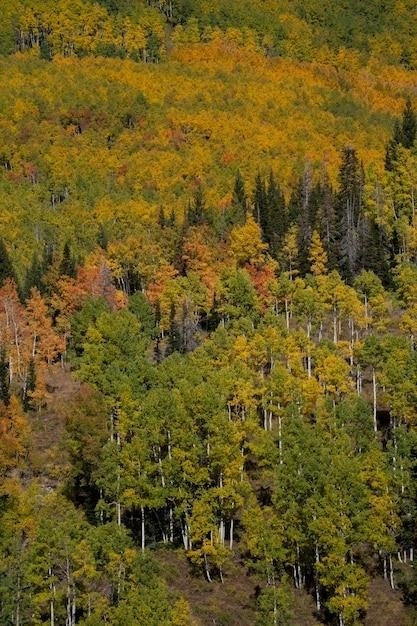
x=208 y=313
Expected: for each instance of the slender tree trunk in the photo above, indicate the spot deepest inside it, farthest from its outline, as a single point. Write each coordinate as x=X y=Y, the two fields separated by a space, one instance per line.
x=394 y=440
x=287 y=314
x=18 y=594
x=365 y=305
x=374 y=398
x=118 y=504
x=171 y=524
x=298 y=567
x=391 y=572
x=221 y=531
x=280 y=437
x=316 y=581
x=206 y=567
x=142 y=528
x=358 y=380
x=231 y=534
x=52 y=600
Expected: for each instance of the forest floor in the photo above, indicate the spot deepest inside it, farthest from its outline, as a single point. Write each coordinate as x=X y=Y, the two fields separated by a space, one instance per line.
x=386 y=607
x=231 y=603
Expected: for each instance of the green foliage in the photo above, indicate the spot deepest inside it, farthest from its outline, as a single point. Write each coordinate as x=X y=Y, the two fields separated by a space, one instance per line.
x=225 y=406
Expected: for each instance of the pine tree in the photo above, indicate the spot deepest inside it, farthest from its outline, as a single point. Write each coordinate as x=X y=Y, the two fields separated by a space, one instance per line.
x=196 y=212
x=323 y=210
x=409 y=125
x=6 y=267
x=4 y=377
x=276 y=214
x=162 y=221
x=239 y=201
x=33 y=277
x=349 y=213
x=404 y=134
x=300 y=208
x=102 y=237
x=67 y=266
x=174 y=336
x=260 y=202
x=392 y=147
x=30 y=385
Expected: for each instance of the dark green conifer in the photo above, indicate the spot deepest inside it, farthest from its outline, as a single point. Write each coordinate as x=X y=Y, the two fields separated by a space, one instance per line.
x=6 y=267
x=33 y=277
x=196 y=212
x=102 y=237
x=277 y=219
x=174 y=335
x=239 y=200
x=260 y=206
x=409 y=125
x=404 y=134
x=67 y=266
x=323 y=211
x=4 y=377
x=30 y=385
x=349 y=214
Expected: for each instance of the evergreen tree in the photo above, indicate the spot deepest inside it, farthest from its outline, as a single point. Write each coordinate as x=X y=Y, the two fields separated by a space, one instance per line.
x=404 y=134
x=67 y=266
x=323 y=209
x=392 y=147
x=375 y=249
x=174 y=335
x=33 y=277
x=349 y=214
x=276 y=215
x=6 y=267
x=269 y=211
x=409 y=125
x=300 y=213
x=30 y=385
x=162 y=221
x=239 y=200
x=4 y=377
x=102 y=237
x=196 y=212
x=260 y=206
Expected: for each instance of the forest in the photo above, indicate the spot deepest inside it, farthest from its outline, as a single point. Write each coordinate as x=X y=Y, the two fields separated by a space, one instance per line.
x=208 y=313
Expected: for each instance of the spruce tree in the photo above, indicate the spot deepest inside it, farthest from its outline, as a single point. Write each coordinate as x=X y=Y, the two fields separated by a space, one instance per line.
x=323 y=211
x=33 y=277
x=174 y=335
x=239 y=200
x=349 y=214
x=67 y=266
x=392 y=147
x=4 y=377
x=276 y=214
x=404 y=134
x=259 y=202
x=409 y=125
x=299 y=211
x=30 y=385
x=196 y=212
x=6 y=267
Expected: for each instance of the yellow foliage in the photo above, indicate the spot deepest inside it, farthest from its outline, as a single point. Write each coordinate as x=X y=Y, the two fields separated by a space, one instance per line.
x=246 y=243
